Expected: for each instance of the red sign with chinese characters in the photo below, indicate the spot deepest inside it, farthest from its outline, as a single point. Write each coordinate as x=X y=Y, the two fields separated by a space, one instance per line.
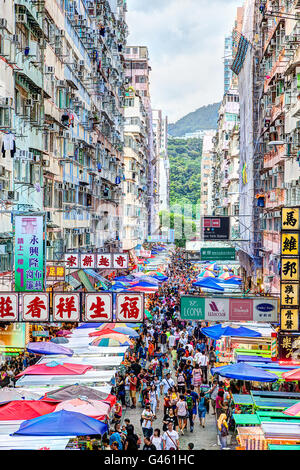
x=104 y=261
x=120 y=260
x=35 y=307
x=98 y=307
x=72 y=260
x=87 y=261
x=9 y=307
x=66 y=307
x=130 y=307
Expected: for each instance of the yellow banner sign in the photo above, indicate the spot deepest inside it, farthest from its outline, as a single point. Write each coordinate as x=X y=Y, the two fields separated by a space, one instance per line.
x=290 y=218
x=290 y=294
x=290 y=244
x=289 y=319
x=290 y=269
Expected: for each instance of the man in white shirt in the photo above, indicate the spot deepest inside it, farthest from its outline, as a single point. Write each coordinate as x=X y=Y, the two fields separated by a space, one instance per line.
x=166 y=384
x=170 y=439
x=171 y=341
x=203 y=361
x=182 y=340
x=147 y=417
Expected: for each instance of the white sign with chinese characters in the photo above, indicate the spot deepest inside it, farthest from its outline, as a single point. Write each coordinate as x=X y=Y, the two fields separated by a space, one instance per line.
x=120 y=260
x=9 y=307
x=98 y=307
x=35 y=307
x=66 y=307
x=104 y=261
x=72 y=260
x=87 y=261
x=130 y=307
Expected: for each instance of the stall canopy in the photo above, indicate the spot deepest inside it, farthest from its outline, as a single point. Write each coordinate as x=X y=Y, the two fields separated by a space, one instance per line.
x=62 y=423
x=293 y=410
x=56 y=368
x=217 y=331
x=59 y=340
x=80 y=391
x=242 y=371
x=88 y=325
x=209 y=283
x=12 y=394
x=23 y=409
x=291 y=375
x=46 y=347
x=94 y=408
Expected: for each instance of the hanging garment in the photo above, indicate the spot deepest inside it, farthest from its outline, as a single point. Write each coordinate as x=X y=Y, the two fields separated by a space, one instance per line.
x=8 y=144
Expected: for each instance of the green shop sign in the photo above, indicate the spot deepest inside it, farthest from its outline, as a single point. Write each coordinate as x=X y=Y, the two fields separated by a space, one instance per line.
x=192 y=308
x=217 y=254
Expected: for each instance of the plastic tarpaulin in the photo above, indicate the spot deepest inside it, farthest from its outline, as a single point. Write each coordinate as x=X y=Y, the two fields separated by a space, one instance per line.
x=78 y=391
x=46 y=347
x=209 y=283
x=12 y=394
x=94 y=408
x=242 y=371
x=62 y=423
x=292 y=375
x=56 y=368
x=217 y=331
x=25 y=409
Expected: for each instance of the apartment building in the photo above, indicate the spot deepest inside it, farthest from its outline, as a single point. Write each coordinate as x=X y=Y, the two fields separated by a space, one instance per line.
x=135 y=211
x=61 y=110
x=138 y=76
x=206 y=206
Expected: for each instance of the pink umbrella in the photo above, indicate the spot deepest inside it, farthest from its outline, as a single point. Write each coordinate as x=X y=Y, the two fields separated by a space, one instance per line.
x=63 y=333
x=94 y=408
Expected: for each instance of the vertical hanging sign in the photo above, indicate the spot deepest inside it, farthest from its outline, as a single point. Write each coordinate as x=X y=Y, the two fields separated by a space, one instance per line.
x=29 y=253
x=290 y=266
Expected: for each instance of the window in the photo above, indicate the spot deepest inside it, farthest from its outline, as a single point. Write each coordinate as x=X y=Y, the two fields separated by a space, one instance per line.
x=129 y=102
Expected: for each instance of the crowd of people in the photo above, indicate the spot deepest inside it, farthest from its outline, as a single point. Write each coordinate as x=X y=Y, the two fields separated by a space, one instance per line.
x=168 y=369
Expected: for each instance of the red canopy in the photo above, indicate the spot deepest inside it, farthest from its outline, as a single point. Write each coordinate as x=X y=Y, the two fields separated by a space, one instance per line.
x=25 y=409
x=55 y=368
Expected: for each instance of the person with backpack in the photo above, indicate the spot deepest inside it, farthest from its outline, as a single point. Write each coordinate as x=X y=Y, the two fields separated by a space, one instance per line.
x=190 y=403
x=182 y=413
x=180 y=381
x=202 y=409
x=223 y=430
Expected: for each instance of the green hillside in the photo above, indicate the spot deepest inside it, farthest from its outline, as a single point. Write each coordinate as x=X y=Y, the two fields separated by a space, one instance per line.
x=185 y=170
x=203 y=118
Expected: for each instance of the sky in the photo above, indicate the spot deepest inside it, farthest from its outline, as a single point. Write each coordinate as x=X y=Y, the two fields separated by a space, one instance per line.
x=185 y=39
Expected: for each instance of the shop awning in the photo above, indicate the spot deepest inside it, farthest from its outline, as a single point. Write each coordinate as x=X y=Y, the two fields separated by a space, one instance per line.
x=85 y=281
x=242 y=371
x=217 y=331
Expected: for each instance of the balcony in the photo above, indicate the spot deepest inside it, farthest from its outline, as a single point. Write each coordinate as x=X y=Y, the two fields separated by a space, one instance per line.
x=273 y=157
x=26 y=69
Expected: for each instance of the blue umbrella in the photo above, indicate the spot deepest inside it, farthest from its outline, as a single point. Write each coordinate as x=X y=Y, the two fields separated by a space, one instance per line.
x=217 y=331
x=209 y=283
x=88 y=325
x=62 y=423
x=48 y=348
x=59 y=340
x=242 y=371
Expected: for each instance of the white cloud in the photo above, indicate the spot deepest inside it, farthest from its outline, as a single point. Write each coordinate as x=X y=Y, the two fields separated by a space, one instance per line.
x=186 y=47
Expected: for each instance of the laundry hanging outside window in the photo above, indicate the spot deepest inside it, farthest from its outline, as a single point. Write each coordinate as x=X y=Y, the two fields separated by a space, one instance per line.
x=8 y=144
x=239 y=59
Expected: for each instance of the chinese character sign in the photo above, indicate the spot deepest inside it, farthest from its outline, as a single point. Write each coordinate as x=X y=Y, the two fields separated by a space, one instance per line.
x=289 y=319
x=290 y=244
x=9 y=307
x=290 y=219
x=120 y=260
x=55 y=272
x=87 y=261
x=72 y=260
x=130 y=307
x=290 y=269
x=29 y=253
x=290 y=294
x=98 y=307
x=35 y=307
x=104 y=261
x=66 y=307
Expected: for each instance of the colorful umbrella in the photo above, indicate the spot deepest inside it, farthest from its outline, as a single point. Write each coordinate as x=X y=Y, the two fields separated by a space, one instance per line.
x=293 y=410
x=291 y=375
x=94 y=408
x=207 y=274
x=114 y=325
x=212 y=267
x=110 y=342
x=63 y=333
x=48 y=348
x=224 y=275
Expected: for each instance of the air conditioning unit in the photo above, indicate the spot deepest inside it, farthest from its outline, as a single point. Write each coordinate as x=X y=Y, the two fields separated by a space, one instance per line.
x=3 y=23
x=21 y=18
x=61 y=84
x=50 y=70
x=12 y=195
